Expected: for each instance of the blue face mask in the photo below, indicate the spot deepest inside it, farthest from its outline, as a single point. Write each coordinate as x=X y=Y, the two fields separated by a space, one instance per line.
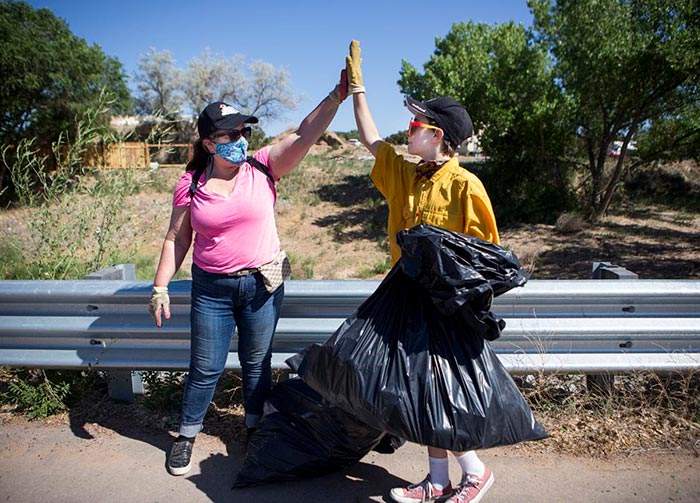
x=234 y=152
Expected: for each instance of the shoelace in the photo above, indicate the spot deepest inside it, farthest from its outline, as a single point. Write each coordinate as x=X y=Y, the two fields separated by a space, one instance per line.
x=426 y=486
x=472 y=481
x=465 y=488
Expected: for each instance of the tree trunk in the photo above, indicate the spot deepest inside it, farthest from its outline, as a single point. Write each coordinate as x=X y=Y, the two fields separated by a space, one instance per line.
x=614 y=179
x=597 y=167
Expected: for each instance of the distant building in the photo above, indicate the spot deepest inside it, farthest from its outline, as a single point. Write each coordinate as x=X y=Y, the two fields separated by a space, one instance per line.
x=140 y=127
x=616 y=148
x=471 y=146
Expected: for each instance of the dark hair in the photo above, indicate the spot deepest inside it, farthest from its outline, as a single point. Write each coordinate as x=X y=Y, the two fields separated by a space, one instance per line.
x=445 y=148
x=200 y=157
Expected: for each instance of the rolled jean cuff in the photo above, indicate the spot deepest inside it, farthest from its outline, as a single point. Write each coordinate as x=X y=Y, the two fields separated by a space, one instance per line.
x=190 y=430
x=252 y=420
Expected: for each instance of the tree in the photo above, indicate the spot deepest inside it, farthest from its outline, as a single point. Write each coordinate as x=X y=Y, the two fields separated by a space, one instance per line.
x=398 y=138
x=212 y=78
x=165 y=90
x=159 y=84
x=673 y=138
x=265 y=93
x=459 y=67
x=503 y=78
x=262 y=90
x=626 y=66
x=49 y=77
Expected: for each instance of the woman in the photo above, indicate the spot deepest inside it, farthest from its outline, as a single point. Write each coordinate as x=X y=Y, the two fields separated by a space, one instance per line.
x=434 y=191
x=230 y=210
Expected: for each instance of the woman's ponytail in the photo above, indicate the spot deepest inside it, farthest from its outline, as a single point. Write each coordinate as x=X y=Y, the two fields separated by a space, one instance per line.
x=200 y=157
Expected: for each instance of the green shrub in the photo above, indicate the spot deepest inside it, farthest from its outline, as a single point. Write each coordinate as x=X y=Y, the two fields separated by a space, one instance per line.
x=378 y=268
x=163 y=390
x=77 y=224
x=41 y=393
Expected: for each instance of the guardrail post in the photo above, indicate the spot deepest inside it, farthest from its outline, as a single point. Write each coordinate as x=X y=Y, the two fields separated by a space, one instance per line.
x=606 y=270
x=123 y=384
x=602 y=384
x=126 y=272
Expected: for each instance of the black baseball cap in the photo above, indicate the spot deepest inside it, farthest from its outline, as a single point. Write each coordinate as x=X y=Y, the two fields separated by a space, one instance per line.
x=220 y=115
x=448 y=114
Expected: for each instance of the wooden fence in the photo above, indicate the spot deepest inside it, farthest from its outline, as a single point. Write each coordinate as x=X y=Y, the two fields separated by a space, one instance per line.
x=141 y=155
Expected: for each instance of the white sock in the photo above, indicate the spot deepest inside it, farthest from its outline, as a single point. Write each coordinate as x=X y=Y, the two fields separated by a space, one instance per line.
x=439 y=472
x=471 y=463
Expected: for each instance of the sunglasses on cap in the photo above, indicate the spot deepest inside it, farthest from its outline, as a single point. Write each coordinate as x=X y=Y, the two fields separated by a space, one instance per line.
x=234 y=134
x=415 y=124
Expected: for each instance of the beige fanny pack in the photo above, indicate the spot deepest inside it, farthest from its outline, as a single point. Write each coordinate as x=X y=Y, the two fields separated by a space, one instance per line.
x=274 y=273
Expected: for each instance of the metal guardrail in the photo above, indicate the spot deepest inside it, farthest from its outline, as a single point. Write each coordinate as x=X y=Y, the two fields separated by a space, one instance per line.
x=587 y=326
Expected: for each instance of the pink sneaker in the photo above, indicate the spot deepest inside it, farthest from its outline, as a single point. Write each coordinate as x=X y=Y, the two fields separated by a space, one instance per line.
x=472 y=488
x=423 y=491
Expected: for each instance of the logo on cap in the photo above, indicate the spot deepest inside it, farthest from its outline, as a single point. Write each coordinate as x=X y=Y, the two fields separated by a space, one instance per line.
x=227 y=110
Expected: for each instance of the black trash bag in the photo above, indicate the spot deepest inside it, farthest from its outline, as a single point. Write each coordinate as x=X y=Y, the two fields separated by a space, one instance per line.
x=462 y=274
x=400 y=364
x=302 y=437
x=389 y=444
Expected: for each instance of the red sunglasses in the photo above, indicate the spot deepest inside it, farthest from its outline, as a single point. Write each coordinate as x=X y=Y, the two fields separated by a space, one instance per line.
x=415 y=124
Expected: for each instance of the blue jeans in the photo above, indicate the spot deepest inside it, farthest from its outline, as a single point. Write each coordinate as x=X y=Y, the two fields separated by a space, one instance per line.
x=220 y=303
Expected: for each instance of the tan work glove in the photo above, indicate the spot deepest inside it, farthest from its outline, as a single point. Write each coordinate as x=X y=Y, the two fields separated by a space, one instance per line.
x=352 y=65
x=160 y=303
x=340 y=91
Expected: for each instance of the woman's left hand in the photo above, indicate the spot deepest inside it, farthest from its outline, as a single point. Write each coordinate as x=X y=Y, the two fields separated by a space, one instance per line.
x=286 y=154
x=343 y=84
x=340 y=91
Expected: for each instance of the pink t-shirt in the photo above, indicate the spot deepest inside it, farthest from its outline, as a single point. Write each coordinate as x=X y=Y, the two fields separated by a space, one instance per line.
x=236 y=231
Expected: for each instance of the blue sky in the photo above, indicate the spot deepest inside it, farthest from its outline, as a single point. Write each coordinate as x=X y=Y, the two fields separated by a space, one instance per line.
x=309 y=38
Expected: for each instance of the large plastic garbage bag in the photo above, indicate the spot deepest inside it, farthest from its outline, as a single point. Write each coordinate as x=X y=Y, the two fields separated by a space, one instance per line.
x=461 y=273
x=414 y=359
x=301 y=436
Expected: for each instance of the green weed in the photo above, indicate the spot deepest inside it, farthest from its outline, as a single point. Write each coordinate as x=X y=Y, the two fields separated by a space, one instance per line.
x=41 y=393
x=163 y=390
x=78 y=223
x=378 y=268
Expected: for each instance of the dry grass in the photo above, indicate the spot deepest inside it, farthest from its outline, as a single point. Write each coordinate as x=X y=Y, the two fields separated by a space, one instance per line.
x=644 y=413
x=332 y=223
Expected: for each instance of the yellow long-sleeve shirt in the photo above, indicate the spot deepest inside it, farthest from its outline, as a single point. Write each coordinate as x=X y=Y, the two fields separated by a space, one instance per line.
x=453 y=198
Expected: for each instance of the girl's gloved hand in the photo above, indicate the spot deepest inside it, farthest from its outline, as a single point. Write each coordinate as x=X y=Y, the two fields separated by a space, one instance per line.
x=352 y=65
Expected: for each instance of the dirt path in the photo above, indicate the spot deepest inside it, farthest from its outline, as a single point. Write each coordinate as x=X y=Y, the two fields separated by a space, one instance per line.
x=52 y=462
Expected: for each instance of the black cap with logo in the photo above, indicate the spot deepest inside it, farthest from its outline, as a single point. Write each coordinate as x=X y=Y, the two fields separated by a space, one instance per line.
x=448 y=114
x=220 y=115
